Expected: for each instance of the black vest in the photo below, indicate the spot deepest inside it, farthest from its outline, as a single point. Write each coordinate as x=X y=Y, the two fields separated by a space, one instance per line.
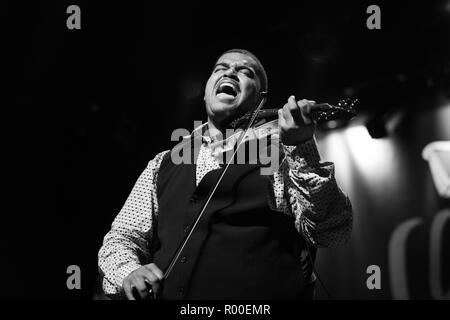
x=240 y=249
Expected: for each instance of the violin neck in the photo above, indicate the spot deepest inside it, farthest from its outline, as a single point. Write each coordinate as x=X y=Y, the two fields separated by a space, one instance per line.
x=316 y=107
x=320 y=112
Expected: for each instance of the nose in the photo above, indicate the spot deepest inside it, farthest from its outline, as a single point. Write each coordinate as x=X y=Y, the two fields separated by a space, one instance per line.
x=231 y=73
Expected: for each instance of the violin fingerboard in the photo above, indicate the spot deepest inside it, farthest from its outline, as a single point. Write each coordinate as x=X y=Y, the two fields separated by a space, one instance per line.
x=345 y=110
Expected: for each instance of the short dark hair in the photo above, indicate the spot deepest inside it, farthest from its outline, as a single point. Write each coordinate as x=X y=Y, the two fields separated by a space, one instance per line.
x=261 y=72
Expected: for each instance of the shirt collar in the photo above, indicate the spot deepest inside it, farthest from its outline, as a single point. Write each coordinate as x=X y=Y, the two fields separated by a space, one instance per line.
x=201 y=132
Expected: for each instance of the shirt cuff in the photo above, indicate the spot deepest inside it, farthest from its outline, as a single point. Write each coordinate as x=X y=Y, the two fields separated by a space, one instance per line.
x=124 y=271
x=304 y=156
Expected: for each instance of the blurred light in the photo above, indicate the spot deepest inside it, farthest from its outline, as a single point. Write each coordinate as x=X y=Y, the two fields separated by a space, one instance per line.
x=95 y=107
x=394 y=120
x=333 y=148
x=349 y=91
x=373 y=157
x=354 y=152
x=442 y=121
x=333 y=124
x=401 y=77
x=356 y=155
x=438 y=156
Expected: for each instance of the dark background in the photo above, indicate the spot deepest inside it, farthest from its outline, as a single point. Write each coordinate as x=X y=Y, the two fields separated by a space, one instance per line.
x=91 y=107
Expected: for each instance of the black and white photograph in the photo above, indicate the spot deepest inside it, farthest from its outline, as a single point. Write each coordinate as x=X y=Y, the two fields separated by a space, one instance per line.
x=226 y=155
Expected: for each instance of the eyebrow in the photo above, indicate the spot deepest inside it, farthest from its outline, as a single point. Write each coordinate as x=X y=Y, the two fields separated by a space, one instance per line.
x=227 y=64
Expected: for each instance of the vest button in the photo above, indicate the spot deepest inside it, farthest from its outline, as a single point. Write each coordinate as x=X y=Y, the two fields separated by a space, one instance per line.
x=182 y=294
x=186 y=229
x=183 y=259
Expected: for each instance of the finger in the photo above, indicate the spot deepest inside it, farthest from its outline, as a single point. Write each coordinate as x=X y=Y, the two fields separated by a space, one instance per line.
x=155 y=289
x=135 y=292
x=302 y=102
x=140 y=286
x=281 y=120
x=151 y=281
x=305 y=114
x=305 y=109
x=154 y=268
x=292 y=104
x=152 y=286
x=311 y=107
x=150 y=289
x=310 y=104
x=287 y=114
x=128 y=290
x=149 y=276
x=282 y=124
x=294 y=108
x=155 y=285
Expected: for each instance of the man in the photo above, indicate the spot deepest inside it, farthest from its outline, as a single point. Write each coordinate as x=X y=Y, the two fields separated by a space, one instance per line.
x=258 y=236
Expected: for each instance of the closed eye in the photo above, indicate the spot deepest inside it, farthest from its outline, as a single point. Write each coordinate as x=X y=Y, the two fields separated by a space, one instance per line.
x=247 y=72
x=219 y=69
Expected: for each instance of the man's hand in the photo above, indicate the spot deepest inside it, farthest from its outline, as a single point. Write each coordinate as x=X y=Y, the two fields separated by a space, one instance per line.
x=296 y=125
x=143 y=282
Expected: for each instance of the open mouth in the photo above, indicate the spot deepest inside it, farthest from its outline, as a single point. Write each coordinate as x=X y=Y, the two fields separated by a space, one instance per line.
x=228 y=88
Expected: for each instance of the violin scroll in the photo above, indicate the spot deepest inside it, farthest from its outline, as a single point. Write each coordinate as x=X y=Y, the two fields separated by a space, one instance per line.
x=344 y=110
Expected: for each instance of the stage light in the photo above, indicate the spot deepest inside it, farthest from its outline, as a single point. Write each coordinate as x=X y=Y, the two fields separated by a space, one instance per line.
x=333 y=147
x=375 y=158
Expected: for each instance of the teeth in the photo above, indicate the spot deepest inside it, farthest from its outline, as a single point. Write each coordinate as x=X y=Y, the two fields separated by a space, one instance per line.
x=226 y=84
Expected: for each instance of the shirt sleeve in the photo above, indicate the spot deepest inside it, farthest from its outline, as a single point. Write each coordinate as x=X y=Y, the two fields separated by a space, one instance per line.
x=306 y=188
x=127 y=245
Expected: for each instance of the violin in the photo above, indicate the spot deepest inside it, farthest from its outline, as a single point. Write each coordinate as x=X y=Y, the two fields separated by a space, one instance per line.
x=264 y=122
x=322 y=112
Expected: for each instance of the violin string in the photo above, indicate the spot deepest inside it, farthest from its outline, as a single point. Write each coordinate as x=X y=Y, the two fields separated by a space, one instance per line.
x=211 y=194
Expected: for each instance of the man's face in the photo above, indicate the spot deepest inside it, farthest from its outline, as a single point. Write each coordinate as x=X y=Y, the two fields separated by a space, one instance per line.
x=233 y=87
